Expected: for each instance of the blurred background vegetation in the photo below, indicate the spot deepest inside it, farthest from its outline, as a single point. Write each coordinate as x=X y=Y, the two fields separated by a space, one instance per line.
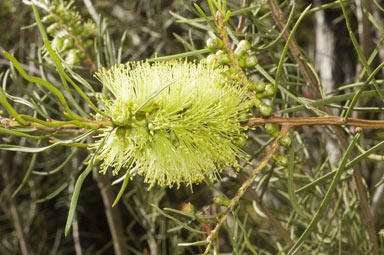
x=157 y=221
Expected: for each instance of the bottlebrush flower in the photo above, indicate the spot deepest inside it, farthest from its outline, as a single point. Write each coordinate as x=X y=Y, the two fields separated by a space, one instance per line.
x=174 y=122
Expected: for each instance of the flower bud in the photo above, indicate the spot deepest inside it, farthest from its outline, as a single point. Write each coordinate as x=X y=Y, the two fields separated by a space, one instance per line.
x=251 y=61
x=271 y=128
x=53 y=28
x=73 y=58
x=120 y=131
x=281 y=159
x=275 y=133
x=242 y=48
x=48 y=19
x=242 y=62
x=212 y=60
x=231 y=71
x=220 y=52
x=66 y=17
x=82 y=55
x=265 y=109
x=244 y=117
x=247 y=61
x=260 y=95
x=78 y=30
x=258 y=86
x=223 y=59
x=269 y=90
x=214 y=43
x=57 y=43
x=285 y=141
x=241 y=141
x=221 y=200
x=68 y=43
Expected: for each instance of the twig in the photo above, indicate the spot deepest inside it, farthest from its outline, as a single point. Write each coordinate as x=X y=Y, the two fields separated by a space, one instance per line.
x=326 y=120
x=309 y=76
x=240 y=192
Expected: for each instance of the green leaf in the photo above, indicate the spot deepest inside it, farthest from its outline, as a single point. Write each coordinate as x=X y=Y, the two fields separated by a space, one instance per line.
x=53 y=194
x=181 y=55
x=285 y=51
x=291 y=185
x=79 y=183
x=153 y=95
x=177 y=221
x=123 y=187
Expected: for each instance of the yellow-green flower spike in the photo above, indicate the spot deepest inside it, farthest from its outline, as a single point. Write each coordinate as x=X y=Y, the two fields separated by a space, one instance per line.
x=174 y=122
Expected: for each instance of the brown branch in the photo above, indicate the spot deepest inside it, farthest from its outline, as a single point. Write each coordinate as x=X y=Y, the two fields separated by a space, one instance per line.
x=326 y=120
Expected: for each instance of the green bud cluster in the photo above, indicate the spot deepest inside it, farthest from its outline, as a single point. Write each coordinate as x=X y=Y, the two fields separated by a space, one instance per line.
x=221 y=58
x=71 y=35
x=184 y=133
x=274 y=130
x=262 y=90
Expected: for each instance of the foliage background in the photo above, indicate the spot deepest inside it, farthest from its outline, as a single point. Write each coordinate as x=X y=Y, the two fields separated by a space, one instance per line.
x=33 y=221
